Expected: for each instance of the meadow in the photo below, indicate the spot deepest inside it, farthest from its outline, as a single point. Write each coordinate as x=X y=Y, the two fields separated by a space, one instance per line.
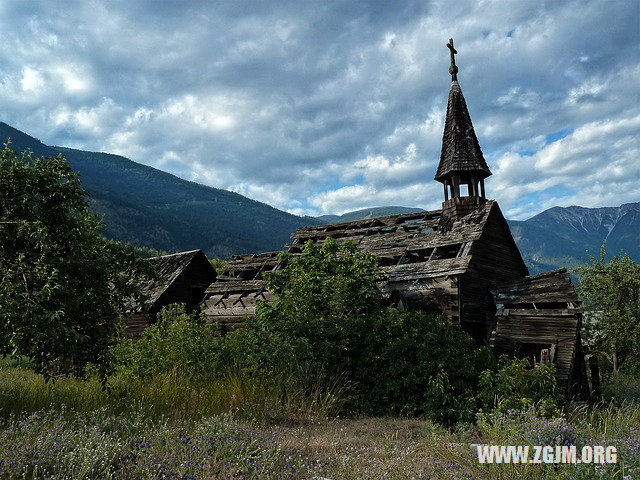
x=239 y=427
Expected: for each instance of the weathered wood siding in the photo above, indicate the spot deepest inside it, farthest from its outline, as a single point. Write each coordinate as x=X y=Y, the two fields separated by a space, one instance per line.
x=495 y=260
x=189 y=286
x=543 y=311
x=183 y=279
x=135 y=324
x=230 y=302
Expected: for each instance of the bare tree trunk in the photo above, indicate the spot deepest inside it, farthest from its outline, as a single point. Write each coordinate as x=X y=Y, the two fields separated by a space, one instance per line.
x=615 y=362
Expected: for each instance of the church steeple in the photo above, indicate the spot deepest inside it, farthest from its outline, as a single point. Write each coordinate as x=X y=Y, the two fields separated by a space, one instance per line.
x=462 y=165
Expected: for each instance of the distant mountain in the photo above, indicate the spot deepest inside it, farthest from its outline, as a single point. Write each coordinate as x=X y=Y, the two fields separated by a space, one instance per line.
x=367 y=213
x=155 y=209
x=566 y=236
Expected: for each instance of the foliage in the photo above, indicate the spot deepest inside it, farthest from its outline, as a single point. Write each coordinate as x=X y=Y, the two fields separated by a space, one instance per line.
x=611 y=292
x=183 y=364
x=328 y=317
x=516 y=386
x=413 y=363
x=218 y=264
x=62 y=284
x=324 y=300
x=176 y=341
x=622 y=388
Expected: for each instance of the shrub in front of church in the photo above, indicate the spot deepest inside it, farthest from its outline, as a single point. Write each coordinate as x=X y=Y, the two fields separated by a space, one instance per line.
x=328 y=318
x=515 y=386
x=413 y=363
x=178 y=341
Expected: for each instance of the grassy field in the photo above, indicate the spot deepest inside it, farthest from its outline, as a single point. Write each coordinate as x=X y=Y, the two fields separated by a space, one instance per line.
x=242 y=428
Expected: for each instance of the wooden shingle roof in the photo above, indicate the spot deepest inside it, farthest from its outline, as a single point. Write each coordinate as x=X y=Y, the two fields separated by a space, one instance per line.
x=460 y=148
x=548 y=287
x=169 y=267
x=409 y=247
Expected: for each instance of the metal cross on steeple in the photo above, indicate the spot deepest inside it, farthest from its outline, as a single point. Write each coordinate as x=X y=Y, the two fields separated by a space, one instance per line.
x=453 y=70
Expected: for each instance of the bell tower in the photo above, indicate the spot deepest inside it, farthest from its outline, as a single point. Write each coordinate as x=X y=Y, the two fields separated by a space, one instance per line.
x=462 y=168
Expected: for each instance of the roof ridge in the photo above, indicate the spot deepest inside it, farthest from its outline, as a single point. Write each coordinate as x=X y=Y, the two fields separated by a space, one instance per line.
x=178 y=253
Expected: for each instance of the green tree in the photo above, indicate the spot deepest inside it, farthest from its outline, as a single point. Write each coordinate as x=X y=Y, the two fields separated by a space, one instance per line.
x=218 y=264
x=62 y=284
x=323 y=301
x=611 y=292
x=328 y=318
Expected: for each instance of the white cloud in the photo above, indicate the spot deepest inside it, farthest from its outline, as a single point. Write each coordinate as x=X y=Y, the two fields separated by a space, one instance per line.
x=73 y=78
x=32 y=80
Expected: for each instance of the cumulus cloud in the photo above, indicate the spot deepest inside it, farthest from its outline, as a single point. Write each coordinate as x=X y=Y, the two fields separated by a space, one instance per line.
x=595 y=165
x=323 y=107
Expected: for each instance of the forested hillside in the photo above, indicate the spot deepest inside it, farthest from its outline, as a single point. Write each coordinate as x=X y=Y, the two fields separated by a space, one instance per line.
x=156 y=209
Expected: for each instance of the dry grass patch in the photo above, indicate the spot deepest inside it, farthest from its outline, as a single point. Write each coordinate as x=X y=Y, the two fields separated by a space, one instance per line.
x=375 y=448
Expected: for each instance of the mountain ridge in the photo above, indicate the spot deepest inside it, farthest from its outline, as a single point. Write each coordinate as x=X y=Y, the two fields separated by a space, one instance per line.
x=371 y=212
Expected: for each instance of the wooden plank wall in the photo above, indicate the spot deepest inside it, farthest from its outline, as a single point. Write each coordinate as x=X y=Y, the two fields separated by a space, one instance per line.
x=188 y=287
x=135 y=324
x=557 y=327
x=230 y=302
x=495 y=260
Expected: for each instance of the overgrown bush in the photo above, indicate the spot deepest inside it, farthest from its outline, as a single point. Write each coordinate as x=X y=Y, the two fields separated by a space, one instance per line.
x=326 y=329
x=177 y=341
x=413 y=363
x=328 y=318
x=516 y=386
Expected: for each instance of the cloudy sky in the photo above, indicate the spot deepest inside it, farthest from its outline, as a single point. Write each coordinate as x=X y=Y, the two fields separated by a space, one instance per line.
x=330 y=106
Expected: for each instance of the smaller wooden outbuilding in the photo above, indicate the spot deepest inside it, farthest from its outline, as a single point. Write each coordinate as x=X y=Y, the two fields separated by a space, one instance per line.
x=539 y=318
x=184 y=279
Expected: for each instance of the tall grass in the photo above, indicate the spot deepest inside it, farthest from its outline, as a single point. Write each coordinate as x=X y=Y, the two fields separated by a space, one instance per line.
x=249 y=426
x=172 y=395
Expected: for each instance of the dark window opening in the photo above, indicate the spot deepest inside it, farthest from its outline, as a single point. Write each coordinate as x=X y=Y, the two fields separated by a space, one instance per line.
x=446 y=251
x=388 y=261
x=525 y=306
x=532 y=352
x=423 y=255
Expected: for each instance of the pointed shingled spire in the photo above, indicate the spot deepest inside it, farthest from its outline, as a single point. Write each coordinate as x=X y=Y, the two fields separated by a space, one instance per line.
x=460 y=148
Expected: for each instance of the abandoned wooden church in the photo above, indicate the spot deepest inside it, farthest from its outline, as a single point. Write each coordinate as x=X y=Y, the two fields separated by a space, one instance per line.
x=460 y=261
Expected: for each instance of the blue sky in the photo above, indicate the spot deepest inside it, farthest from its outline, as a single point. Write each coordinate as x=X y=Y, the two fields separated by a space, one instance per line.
x=327 y=107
